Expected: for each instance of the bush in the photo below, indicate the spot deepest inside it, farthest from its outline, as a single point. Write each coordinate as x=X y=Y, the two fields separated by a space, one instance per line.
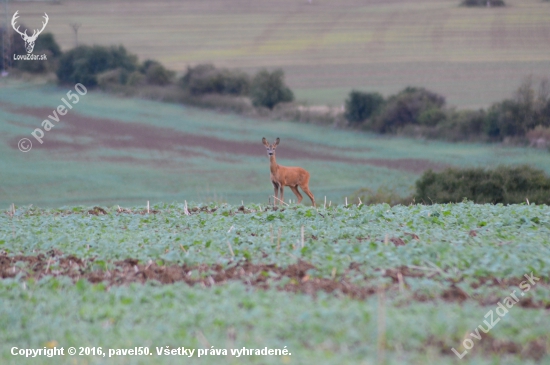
x=136 y=78
x=463 y=125
x=504 y=119
x=268 y=89
x=109 y=78
x=84 y=63
x=157 y=74
x=507 y=185
x=515 y=117
x=234 y=82
x=483 y=3
x=432 y=117
x=406 y=108
x=207 y=79
x=360 y=106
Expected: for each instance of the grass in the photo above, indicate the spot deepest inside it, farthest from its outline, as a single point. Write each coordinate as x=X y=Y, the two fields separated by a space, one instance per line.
x=472 y=56
x=108 y=174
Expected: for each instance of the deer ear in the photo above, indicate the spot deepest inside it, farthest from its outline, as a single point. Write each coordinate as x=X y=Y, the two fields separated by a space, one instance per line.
x=277 y=141
x=264 y=141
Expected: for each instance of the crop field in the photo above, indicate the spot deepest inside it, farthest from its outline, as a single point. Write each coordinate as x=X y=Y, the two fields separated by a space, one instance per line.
x=110 y=150
x=336 y=285
x=472 y=56
x=138 y=224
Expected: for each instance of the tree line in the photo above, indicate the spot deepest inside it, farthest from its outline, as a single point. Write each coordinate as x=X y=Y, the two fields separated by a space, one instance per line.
x=414 y=111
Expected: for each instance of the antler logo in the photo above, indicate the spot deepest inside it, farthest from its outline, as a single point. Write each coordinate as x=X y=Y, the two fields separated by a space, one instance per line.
x=29 y=41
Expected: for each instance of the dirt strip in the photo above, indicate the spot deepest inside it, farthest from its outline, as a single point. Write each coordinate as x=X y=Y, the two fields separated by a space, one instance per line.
x=81 y=133
x=294 y=278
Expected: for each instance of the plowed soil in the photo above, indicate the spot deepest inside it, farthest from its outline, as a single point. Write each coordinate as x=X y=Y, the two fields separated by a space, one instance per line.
x=297 y=276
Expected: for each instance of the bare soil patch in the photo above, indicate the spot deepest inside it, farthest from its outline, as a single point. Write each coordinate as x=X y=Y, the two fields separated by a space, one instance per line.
x=262 y=276
x=298 y=278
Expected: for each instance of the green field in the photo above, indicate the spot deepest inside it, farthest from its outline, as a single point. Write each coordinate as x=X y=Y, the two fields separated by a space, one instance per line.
x=211 y=265
x=369 y=284
x=440 y=268
x=471 y=56
x=111 y=150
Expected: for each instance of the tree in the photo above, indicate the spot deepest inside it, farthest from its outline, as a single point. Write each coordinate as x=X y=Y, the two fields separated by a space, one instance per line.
x=360 y=105
x=207 y=79
x=268 y=89
x=155 y=73
x=83 y=63
x=407 y=107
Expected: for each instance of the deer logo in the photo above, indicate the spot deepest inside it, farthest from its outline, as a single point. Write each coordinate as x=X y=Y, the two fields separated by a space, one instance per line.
x=29 y=41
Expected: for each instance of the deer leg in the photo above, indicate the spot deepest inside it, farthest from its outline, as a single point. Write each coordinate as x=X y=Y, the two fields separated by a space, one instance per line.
x=297 y=193
x=306 y=190
x=281 y=189
x=276 y=190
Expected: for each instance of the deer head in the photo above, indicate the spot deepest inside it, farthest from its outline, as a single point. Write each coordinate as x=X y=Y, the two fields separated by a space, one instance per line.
x=29 y=41
x=271 y=148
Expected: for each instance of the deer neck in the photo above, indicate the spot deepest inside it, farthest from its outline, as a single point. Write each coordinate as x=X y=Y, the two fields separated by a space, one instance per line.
x=273 y=165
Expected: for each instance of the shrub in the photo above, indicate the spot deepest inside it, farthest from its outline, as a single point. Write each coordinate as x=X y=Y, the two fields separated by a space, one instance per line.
x=136 y=78
x=483 y=3
x=207 y=79
x=464 y=124
x=432 y=117
x=268 y=89
x=234 y=82
x=109 y=78
x=360 y=105
x=507 y=185
x=155 y=74
x=158 y=75
x=505 y=119
x=84 y=63
x=515 y=117
x=406 y=108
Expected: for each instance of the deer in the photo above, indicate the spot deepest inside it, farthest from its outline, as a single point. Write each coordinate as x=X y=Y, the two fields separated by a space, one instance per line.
x=282 y=176
x=29 y=41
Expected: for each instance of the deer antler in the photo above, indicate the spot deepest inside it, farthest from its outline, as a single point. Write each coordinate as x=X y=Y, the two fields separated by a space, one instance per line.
x=13 y=22
x=35 y=33
x=43 y=25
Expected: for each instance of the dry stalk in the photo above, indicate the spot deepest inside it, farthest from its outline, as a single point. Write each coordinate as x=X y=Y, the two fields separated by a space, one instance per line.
x=381 y=342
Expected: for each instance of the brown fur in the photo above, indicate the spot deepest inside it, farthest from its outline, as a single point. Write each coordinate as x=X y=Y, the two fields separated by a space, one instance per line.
x=282 y=176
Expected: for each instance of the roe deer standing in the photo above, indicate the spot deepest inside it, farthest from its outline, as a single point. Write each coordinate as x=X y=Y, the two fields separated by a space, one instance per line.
x=282 y=176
